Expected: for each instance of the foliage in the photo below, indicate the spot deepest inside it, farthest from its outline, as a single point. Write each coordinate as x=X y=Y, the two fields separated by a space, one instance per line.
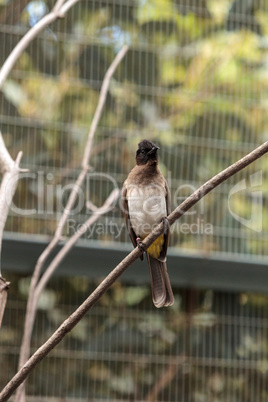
x=188 y=83
x=196 y=87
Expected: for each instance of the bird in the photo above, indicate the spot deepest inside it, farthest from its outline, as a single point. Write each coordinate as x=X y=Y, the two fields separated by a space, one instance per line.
x=146 y=202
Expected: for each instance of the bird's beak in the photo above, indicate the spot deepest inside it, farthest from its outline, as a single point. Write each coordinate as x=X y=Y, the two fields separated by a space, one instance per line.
x=154 y=149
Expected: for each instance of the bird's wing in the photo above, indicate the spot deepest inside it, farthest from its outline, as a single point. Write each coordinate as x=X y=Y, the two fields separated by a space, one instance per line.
x=168 y=198
x=163 y=253
x=131 y=232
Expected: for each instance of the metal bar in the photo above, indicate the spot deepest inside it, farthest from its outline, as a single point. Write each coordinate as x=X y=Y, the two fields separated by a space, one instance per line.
x=94 y=259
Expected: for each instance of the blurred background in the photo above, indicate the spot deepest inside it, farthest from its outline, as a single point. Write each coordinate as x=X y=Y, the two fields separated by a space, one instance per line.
x=195 y=82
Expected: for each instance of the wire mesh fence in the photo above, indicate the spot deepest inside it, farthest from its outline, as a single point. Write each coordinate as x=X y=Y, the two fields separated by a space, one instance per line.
x=194 y=81
x=210 y=347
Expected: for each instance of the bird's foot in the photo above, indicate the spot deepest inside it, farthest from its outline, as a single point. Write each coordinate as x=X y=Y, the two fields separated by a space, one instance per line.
x=140 y=244
x=166 y=224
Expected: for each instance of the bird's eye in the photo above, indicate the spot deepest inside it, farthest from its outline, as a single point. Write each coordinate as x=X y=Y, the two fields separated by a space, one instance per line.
x=143 y=151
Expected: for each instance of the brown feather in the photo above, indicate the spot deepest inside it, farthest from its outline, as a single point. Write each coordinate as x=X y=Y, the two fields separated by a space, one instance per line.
x=161 y=288
x=163 y=253
x=131 y=232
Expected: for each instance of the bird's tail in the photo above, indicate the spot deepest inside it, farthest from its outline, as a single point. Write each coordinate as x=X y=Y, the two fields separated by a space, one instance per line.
x=161 y=288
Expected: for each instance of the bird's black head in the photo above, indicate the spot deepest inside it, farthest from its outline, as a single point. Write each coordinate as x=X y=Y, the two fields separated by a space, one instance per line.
x=147 y=152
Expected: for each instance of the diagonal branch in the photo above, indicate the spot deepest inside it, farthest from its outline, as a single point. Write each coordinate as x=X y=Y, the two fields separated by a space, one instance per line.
x=4 y=286
x=10 y=171
x=58 y=5
x=106 y=207
x=10 y=174
x=34 y=292
x=71 y=321
x=59 y=11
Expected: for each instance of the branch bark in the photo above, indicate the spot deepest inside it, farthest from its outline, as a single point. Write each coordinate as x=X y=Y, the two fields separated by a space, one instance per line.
x=10 y=174
x=107 y=206
x=59 y=11
x=71 y=321
x=166 y=377
x=36 y=287
x=4 y=286
x=10 y=171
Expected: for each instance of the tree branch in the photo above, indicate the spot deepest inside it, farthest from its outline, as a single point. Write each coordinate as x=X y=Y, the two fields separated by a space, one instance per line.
x=71 y=321
x=35 y=288
x=4 y=285
x=166 y=377
x=107 y=206
x=58 y=5
x=10 y=171
x=59 y=11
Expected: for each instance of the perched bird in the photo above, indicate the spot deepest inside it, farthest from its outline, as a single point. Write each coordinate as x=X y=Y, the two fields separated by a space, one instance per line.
x=146 y=202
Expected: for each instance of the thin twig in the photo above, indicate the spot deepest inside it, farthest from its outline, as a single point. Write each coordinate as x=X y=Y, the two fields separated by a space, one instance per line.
x=107 y=206
x=6 y=162
x=72 y=198
x=29 y=321
x=66 y=7
x=103 y=95
x=10 y=170
x=4 y=286
x=166 y=377
x=10 y=174
x=59 y=11
x=23 y=43
x=71 y=321
x=33 y=297
x=58 y=5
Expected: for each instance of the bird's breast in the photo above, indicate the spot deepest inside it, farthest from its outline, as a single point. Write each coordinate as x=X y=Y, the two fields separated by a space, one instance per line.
x=146 y=206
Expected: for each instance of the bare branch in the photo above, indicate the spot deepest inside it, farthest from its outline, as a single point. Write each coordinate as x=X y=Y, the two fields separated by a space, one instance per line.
x=34 y=293
x=79 y=182
x=6 y=162
x=58 y=11
x=32 y=306
x=107 y=206
x=166 y=377
x=23 y=43
x=58 y=5
x=10 y=171
x=71 y=321
x=68 y=5
x=103 y=95
x=4 y=286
